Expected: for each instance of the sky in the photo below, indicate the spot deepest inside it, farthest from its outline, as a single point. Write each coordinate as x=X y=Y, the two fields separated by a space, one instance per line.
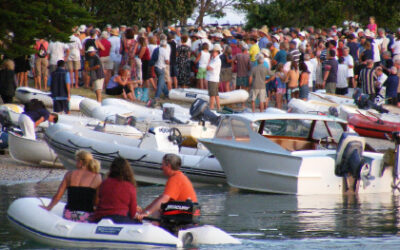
x=232 y=17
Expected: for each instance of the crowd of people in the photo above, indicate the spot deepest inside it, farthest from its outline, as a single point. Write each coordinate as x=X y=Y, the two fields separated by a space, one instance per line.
x=129 y=61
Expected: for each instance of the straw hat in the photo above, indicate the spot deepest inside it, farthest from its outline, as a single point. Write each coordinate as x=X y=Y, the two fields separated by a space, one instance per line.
x=277 y=37
x=217 y=47
x=115 y=32
x=91 y=49
x=265 y=52
x=226 y=32
x=264 y=29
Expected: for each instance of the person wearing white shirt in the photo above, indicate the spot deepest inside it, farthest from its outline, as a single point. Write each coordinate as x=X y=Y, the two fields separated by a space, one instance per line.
x=314 y=63
x=57 y=51
x=380 y=80
x=212 y=76
x=396 y=49
x=310 y=67
x=74 y=59
x=349 y=61
x=115 y=56
x=342 y=85
x=162 y=62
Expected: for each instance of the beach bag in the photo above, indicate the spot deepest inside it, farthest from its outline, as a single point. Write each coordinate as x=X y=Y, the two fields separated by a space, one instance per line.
x=154 y=57
x=42 y=53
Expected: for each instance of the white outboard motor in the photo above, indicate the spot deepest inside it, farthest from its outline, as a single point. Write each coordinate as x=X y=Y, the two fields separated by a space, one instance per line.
x=200 y=111
x=349 y=158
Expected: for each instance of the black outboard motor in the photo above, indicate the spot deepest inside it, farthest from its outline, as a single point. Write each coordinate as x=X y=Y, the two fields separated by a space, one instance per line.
x=200 y=111
x=349 y=160
x=169 y=115
x=177 y=215
x=363 y=101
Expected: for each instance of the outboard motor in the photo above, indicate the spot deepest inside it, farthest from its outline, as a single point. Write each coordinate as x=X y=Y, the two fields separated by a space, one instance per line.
x=125 y=120
x=200 y=111
x=363 y=101
x=333 y=111
x=169 y=115
x=349 y=155
x=177 y=215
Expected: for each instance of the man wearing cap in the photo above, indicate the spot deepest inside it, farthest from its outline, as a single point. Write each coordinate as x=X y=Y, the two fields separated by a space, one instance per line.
x=95 y=70
x=212 y=76
x=202 y=38
x=115 y=56
x=74 y=59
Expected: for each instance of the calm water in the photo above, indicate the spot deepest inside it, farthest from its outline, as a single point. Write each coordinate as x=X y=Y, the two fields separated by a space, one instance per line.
x=262 y=221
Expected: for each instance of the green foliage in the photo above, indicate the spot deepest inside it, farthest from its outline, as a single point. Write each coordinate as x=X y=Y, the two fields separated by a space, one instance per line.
x=27 y=20
x=301 y=13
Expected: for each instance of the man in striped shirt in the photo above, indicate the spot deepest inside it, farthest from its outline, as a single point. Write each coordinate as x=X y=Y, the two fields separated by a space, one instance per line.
x=294 y=51
x=367 y=79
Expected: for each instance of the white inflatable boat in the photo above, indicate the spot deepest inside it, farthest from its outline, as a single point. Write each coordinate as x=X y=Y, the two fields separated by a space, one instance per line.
x=25 y=94
x=117 y=110
x=191 y=94
x=145 y=155
x=31 y=151
x=50 y=228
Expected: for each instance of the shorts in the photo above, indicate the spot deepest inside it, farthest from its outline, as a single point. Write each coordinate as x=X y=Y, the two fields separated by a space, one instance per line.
x=304 y=91
x=341 y=91
x=167 y=78
x=213 y=88
x=242 y=81
x=118 y=90
x=174 y=70
x=79 y=216
x=201 y=73
x=60 y=106
x=281 y=91
x=41 y=65
x=73 y=65
x=260 y=93
x=226 y=74
x=98 y=84
x=106 y=62
x=330 y=87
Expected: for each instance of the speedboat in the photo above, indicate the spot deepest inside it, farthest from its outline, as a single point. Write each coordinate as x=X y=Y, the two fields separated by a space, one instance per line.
x=283 y=154
x=145 y=155
x=50 y=228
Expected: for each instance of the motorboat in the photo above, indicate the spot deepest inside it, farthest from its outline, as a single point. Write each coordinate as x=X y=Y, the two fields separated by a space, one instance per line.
x=280 y=153
x=145 y=155
x=191 y=94
x=50 y=228
x=26 y=94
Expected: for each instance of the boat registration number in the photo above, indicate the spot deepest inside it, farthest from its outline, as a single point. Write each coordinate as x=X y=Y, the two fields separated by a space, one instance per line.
x=108 y=230
x=191 y=95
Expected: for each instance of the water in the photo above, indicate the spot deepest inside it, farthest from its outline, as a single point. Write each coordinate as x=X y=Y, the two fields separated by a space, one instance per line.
x=261 y=221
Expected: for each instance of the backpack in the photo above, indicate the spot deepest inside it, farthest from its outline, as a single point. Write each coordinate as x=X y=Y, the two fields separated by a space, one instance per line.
x=154 y=57
x=42 y=53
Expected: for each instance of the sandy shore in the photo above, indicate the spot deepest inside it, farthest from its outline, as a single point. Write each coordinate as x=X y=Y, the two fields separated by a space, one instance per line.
x=13 y=172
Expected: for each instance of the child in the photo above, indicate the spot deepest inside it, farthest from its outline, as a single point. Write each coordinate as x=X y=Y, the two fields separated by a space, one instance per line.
x=202 y=59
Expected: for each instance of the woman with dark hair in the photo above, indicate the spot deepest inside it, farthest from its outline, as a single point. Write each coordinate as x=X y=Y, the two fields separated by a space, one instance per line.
x=117 y=194
x=303 y=83
x=128 y=51
x=144 y=55
x=292 y=79
x=183 y=62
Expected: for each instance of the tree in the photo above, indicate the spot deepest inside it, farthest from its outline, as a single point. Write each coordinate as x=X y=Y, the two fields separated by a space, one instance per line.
x=216 y=8
x=23 y=21
x=300 y=13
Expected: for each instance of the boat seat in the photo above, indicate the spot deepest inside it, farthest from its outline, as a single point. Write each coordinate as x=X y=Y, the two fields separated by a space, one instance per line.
x=292 y=144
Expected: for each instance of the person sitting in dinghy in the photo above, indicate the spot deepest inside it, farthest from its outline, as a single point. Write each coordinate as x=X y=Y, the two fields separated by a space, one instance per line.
x=178 y=187
x=117 y=195
x=82 y=185
x=121 y=84
x=34 y=113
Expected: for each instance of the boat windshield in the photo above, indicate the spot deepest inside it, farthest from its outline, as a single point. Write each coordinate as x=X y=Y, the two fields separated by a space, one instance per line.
x=301 y=128
x=233 y=129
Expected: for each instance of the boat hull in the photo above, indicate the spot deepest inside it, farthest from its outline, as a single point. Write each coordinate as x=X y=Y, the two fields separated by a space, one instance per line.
x=371 y=127
x=190 y=95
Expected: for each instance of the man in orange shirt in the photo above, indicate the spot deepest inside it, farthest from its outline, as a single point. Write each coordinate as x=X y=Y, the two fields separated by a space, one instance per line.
x=178 y=187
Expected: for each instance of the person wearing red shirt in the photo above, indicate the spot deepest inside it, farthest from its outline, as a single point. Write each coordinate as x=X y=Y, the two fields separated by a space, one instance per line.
x=117 y=194
x=178 y=187
x=104 y=52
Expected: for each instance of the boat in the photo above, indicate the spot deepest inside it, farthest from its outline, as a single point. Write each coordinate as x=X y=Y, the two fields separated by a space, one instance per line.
x=119 y=111
x=31 y=151
x=25 y=94
x=145 y=155
x=50 y=228
x=277 y=153
x=373 y=126
x=191 y=94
